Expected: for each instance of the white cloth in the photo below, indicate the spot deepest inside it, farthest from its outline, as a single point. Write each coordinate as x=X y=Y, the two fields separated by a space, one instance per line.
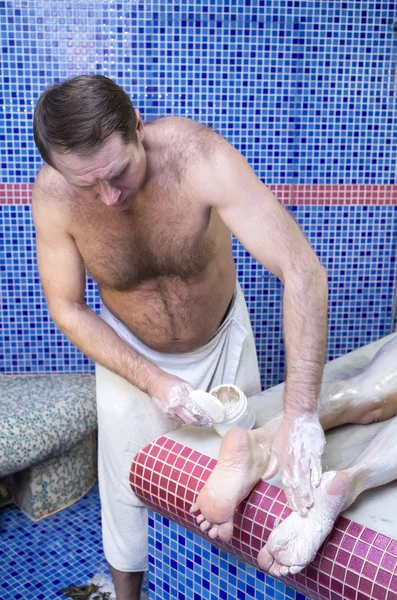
x=128 y=420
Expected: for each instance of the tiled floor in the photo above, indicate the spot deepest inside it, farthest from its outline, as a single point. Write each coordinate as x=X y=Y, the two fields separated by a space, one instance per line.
x=39 y=559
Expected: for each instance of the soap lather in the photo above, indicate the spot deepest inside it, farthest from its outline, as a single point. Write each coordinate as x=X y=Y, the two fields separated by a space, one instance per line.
x=227 y=406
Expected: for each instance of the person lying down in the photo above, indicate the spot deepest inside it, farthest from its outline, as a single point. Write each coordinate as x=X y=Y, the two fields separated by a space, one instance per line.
x=364 y=398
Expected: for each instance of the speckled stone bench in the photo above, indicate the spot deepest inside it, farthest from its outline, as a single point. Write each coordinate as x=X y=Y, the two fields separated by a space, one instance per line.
x=47 y=440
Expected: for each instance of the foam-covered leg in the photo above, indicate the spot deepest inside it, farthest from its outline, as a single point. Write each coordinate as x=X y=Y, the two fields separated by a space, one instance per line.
x=377 y=464
x=367 y=397
x=295 y=542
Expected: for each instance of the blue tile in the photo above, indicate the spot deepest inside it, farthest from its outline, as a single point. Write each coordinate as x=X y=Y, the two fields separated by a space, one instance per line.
x=38 y=559
x=233 y=579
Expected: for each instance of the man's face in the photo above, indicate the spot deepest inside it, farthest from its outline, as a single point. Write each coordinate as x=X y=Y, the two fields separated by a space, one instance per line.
x=113 y=175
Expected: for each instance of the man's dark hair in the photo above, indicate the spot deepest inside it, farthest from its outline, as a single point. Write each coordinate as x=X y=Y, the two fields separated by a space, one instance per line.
x=79 y=114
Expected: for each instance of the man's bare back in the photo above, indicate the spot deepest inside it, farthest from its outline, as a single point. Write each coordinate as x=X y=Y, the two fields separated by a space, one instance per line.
x=164 y=265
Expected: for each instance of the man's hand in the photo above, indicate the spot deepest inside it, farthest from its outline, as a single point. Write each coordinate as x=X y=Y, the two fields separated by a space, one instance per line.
x=172 y=397
x=296 y=451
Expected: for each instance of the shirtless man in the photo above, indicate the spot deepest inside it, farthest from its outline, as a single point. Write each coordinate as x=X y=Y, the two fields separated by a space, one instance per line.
x=148 y=210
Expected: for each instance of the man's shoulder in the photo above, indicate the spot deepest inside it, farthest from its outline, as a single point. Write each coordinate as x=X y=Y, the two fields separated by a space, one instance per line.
x=173 y=122
x=50 y=196
x=50 y=184
x=186 y=142
x=188 y=131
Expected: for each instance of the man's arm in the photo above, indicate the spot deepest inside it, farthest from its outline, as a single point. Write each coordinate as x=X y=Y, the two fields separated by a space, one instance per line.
x=62 y=275
x=268 y=232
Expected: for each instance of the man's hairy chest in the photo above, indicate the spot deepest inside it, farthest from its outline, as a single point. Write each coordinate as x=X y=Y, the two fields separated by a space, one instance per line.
x=123 y=250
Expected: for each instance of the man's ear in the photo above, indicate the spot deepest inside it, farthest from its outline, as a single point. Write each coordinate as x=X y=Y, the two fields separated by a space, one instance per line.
x=139 y=125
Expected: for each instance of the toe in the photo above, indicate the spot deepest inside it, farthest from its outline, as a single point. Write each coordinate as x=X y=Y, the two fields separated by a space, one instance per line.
x=205 y=525
x=194 y=508
x=225 y=532
x=296 y=569
x=265 y=558
x=213 y=532
x=276 y=568
x=200 y=519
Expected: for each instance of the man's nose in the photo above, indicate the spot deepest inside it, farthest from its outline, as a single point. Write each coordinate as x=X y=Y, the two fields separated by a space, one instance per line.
x=109 y=194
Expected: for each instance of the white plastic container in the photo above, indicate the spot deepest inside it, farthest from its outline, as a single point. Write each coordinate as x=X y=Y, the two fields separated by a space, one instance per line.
x=238 y=413
x=227 y=406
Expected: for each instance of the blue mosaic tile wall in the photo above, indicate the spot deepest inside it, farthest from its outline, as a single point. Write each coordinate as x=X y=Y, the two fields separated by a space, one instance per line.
x=304 y=89
x=186 y=567
x=357 y=245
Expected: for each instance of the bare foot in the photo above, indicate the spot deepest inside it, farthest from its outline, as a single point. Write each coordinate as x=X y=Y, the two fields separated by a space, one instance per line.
x=294 y=543
x=241 y=463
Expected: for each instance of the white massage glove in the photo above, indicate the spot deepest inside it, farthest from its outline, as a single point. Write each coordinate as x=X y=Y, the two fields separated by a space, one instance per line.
x=172 y=397
x=296 y=451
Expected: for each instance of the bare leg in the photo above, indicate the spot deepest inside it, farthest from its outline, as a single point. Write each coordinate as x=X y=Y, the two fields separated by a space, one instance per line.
x=127 y=585
x=295 y=542
x=367 y=397
x=244 y=455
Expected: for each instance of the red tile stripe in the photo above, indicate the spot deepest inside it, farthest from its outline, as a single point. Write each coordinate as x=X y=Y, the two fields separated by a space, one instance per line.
x=344 y=194
x=16 y=193
x=354 y=563
x=288 y=195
